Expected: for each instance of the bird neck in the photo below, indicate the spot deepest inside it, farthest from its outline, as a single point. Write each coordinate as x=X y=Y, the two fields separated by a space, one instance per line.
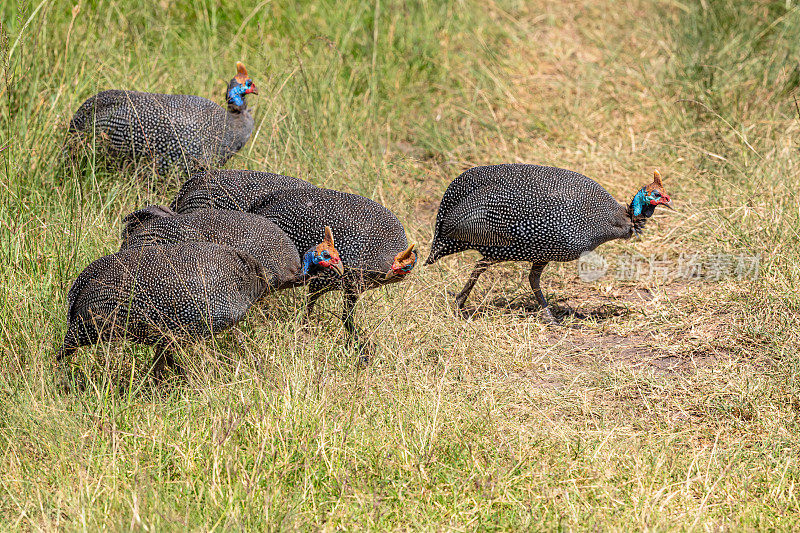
x=239 y=126
x=639 y=202
x=637 y=213
x=308 y=264
x=237 y=108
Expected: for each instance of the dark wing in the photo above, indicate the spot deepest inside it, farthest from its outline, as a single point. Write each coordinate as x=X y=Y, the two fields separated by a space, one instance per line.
x=133 y=222
x=482 y=218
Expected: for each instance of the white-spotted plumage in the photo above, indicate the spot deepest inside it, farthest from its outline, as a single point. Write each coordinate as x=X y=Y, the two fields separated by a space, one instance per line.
x=168 y=131
x=246 y=232
x=155 y=294
x=231 y=189
x=528 y=213
x=368 y=238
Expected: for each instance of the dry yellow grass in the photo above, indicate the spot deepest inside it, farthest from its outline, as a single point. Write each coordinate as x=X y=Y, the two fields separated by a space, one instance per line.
x=672 y=406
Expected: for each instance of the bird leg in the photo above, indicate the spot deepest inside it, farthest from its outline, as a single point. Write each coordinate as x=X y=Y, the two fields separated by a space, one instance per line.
x=534 y=278
x=480 y=268
x=62 y=367
x=365 y=348
x=163 y=358
x=313 y=296
x=64 y=353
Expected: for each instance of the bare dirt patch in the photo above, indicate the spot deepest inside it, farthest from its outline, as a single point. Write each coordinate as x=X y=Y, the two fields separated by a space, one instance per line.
x=607 y=328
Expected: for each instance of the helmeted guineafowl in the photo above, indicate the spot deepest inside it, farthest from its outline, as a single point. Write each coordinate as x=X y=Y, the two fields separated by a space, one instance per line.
x=246 y=232
x=169 y=131
x=533 y=213
x=371 y=241
x=158 y=294
x=231 y=189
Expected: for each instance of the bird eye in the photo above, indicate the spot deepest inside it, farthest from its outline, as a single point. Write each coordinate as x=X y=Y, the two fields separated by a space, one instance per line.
x=656 y=194
x=326 y=255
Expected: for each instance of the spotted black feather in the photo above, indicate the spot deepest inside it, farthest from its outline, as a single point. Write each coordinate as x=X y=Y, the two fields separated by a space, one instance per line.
x=158 y=294
x=533 y=213
x=168 y=131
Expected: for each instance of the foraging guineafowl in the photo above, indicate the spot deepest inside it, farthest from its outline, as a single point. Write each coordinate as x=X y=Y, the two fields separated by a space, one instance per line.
x=169 y=130
x=533 y=213
x=231 y=189
x=370 y=239
x=156 y=294
x=246 y=232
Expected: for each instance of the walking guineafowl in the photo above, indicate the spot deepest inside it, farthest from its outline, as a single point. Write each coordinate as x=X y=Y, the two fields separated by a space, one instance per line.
x=246 y=232
x=534 y=213
x=157 y=294
x=169 y=130
x=371 y=241
x=231 y=189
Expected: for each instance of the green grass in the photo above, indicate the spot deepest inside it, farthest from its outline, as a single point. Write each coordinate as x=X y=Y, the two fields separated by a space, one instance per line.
x=677 y=412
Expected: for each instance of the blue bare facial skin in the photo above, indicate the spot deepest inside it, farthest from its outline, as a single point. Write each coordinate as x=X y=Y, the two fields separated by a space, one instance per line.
x=322 y=259
x=409 y=267
x=639 y=201
x=235 y=94
x=308 y=260
x=642 y=199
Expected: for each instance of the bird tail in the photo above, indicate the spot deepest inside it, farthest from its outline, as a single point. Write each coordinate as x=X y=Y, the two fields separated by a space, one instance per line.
x=135 y=220
x=69 y=346
x=435 y=254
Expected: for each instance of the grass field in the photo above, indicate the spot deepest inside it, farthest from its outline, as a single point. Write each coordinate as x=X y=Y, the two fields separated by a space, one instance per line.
x=673 y=406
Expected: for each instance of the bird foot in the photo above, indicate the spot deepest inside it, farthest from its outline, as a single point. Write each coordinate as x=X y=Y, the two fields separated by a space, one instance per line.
x=365 y=351
x=553 y=321
x=70 y=380
x=548 y=317
x=464 y=313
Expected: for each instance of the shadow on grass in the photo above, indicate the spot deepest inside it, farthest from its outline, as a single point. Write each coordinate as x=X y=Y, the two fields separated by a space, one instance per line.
x=526 y=304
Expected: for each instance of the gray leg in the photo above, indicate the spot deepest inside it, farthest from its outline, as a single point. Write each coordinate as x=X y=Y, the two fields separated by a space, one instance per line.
x=480 y=268
x=162 y=359
x=312 y=300
x=348 y=310
x=365 y=349
x=64 y=353
x=534 y=278
x=62 y=368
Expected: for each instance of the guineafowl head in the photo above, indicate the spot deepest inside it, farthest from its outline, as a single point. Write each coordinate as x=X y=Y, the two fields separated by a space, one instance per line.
x=240 y=85
x=403 y=263
x=650 y=196
x=323 y=256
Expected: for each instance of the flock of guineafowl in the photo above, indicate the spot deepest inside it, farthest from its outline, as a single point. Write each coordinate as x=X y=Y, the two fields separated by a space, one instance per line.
x=232 y=236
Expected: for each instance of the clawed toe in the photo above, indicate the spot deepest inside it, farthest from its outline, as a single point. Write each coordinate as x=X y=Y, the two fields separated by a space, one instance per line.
x=548 y=317
x=365 y=351
x=70 y=381
x=463 y=312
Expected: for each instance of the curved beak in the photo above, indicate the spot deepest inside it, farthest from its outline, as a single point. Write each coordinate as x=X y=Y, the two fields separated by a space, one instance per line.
x=252 y=90
x=338 y=267
x=391 y=274
x=668 y=203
